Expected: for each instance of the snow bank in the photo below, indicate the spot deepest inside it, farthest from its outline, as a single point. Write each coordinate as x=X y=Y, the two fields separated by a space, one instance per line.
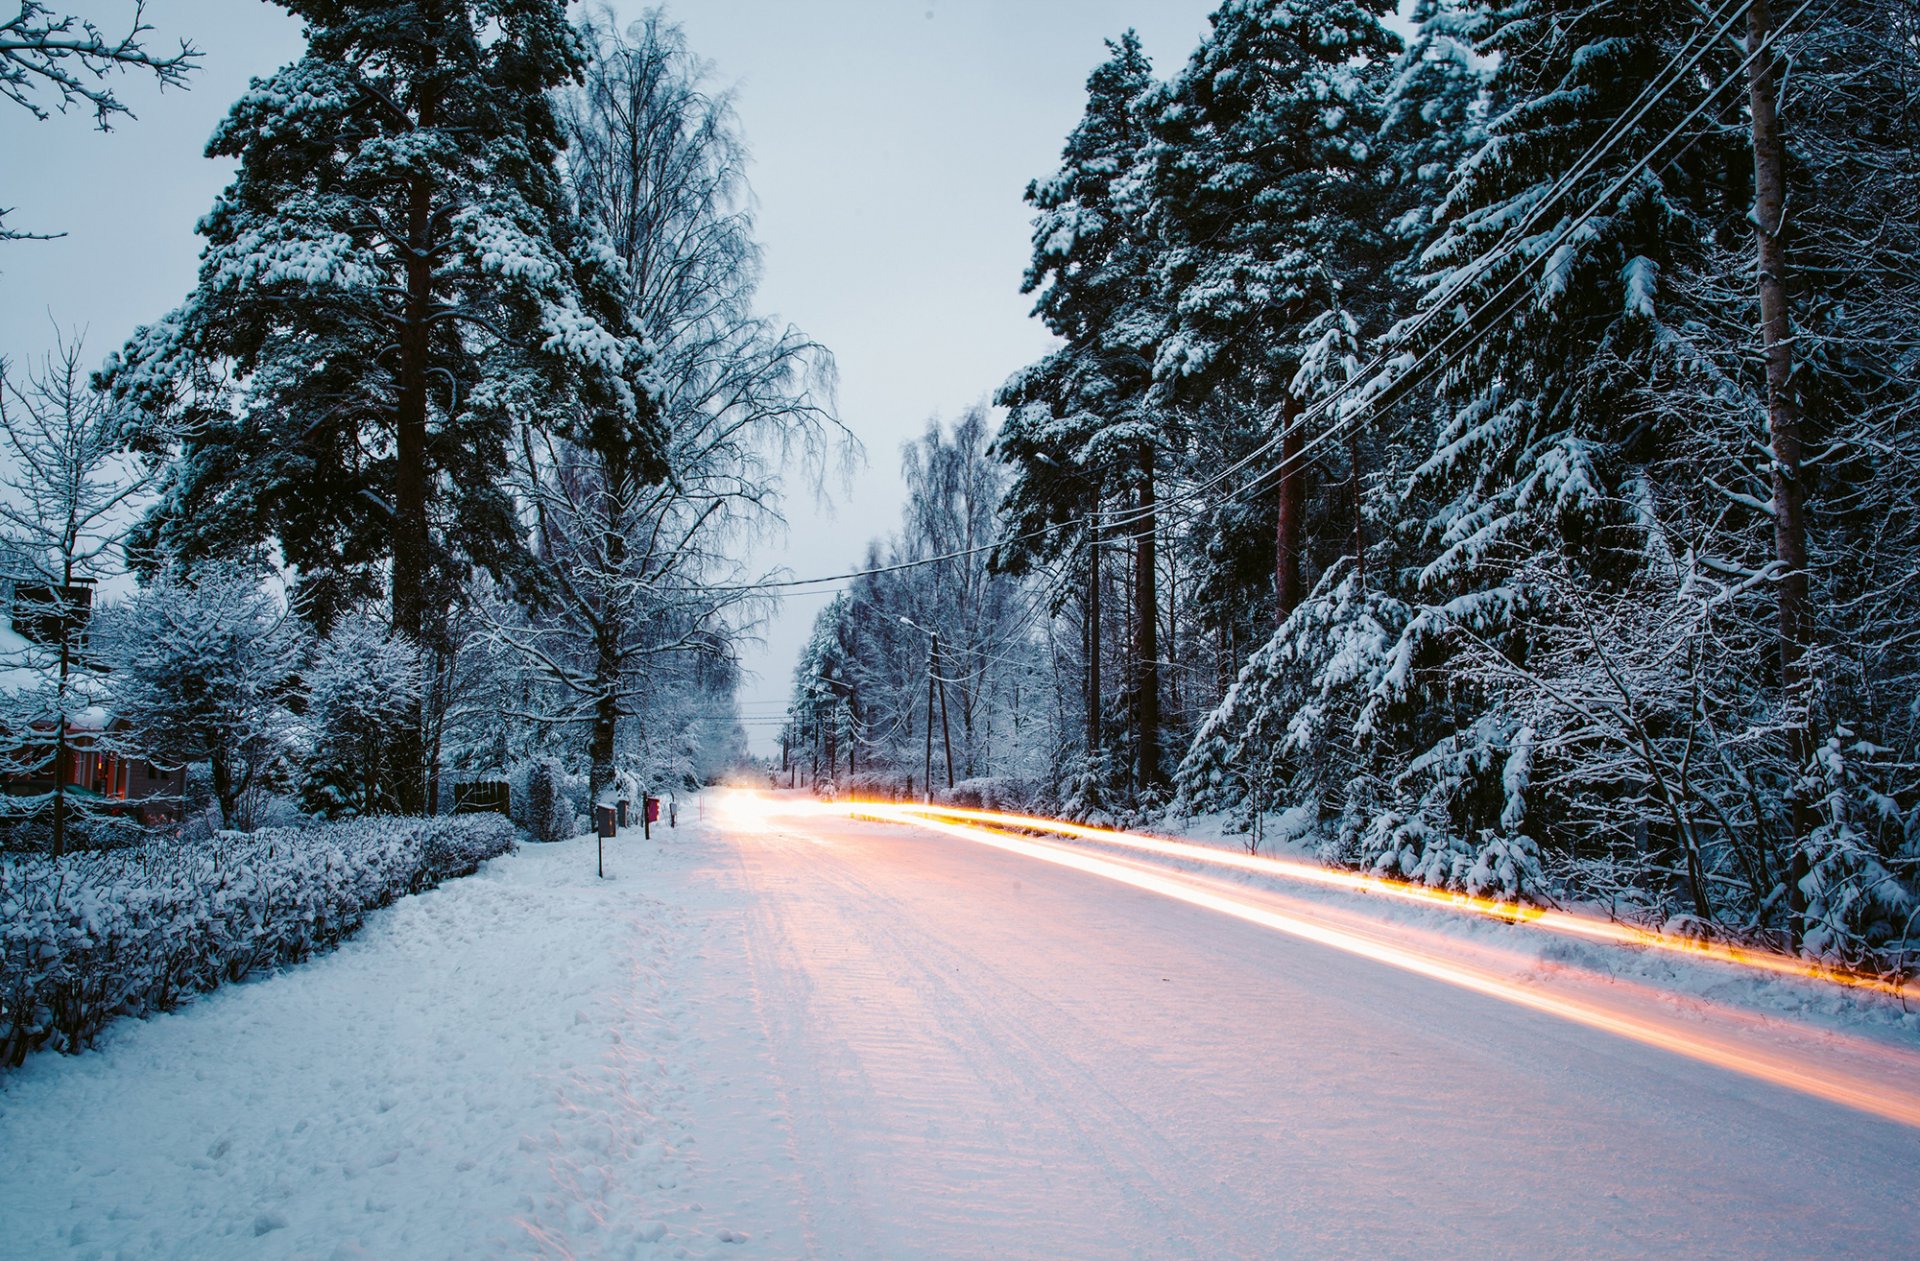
x=89 y=937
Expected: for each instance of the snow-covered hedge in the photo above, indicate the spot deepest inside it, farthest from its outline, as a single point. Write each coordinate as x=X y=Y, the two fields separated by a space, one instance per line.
x=89 y=937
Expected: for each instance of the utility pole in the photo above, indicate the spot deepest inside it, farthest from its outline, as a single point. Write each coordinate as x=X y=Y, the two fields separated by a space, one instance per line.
x=933 y=655
x=1093 y=640
x=934 y=681
x=946 y=735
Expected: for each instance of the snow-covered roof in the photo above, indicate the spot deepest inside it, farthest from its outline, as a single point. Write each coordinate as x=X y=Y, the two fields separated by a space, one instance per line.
x=17 y=672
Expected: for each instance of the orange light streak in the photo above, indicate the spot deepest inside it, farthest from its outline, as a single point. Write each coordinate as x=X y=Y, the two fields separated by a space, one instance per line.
x=1878 y=1097
x=1590 y=927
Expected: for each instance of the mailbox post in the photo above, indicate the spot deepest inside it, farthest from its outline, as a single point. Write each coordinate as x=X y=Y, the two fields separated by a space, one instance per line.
x=605 y=821
x=649 y=815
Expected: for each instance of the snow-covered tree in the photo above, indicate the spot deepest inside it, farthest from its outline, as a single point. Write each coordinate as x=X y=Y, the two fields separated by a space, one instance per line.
x=867 y=674
x=641 y=600
x=68 y=496
x=1265 y=177
x=1082 y=434
x=392 y=284
x=53 y=60
x=204 y=668
x=362 y=690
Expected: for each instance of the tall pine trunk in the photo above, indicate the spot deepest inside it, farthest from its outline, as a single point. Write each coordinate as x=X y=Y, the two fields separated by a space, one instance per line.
x=410 y=540
x=1146 y=631
x=1783 y=425
x=1289 y=521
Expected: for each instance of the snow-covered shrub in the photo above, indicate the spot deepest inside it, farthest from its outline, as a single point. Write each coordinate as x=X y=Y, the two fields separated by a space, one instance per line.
x=201 y=669
x=547 y=814
x=1857 y=900
x=86 y=938
x=363 y=688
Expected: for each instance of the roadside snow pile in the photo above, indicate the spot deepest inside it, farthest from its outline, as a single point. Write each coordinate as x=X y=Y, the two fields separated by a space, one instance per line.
x=89 y=937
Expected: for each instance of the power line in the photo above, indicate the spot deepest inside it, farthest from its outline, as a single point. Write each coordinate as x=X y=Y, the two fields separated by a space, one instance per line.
x=1352 y=419
x=1671 y=74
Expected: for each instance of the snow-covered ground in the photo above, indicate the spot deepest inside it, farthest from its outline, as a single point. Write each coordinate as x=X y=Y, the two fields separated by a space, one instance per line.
x=1678 y=977
x=797 y=1035
x=497 y=1067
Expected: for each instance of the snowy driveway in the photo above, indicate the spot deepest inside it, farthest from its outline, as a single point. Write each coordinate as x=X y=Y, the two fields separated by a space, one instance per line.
x=819 y=1038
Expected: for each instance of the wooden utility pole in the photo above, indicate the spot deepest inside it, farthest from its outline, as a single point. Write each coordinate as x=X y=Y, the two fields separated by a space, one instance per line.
x=1290 y=520
x=1146 y=631
x=1093 y=640
x=1783 y=422
x=933 y=657
x=946 y=733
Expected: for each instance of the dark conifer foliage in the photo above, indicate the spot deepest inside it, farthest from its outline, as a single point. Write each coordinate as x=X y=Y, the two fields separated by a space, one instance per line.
x=392 y=282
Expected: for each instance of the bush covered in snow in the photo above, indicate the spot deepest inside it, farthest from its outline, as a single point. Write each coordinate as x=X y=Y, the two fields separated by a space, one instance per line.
x=543 y=803
x=89 y=937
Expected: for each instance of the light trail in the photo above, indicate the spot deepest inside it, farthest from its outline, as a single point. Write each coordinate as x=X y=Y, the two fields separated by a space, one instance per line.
x=1878 y=1098
x=1590 y=927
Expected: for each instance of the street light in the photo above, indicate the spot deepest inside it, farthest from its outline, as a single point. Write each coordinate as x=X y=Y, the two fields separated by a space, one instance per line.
x=933 y=679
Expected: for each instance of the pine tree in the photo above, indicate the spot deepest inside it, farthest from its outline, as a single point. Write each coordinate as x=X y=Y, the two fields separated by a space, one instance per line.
x=363 y=689
x=1540 y=514
x=1265 y=181
x=1081 y=433
x=391 y=283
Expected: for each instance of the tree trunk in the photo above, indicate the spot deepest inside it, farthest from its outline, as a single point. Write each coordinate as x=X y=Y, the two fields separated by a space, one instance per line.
x=1146 y=632
x=224 y=791
x=410 y=539
x=606 y=725
x=1093 y=643
x=1783 y=427
x=1359 y=516
x=1289 y=523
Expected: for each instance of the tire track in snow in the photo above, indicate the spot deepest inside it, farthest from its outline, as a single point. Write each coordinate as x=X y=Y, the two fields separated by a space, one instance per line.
x=973 y=1097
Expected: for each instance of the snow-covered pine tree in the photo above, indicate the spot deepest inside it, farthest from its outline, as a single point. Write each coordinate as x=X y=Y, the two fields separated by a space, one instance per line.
x=391 y=283
x=1265 y=181
x=1538 y=466
x=1081 y=434
x=1844 y=865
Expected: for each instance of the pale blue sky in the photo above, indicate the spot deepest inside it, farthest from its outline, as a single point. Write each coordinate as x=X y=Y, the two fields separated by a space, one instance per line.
x=892 y=140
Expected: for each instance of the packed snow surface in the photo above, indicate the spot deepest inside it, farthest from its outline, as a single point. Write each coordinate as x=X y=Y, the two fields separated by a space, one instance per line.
x=802 y=1036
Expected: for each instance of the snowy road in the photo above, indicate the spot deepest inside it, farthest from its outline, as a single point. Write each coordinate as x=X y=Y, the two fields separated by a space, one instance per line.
x=803 y=1036
x=984 y=1055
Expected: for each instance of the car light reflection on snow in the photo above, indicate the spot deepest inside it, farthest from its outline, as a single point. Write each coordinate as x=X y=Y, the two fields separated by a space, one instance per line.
x=1567 y=922
x=1877 y=1097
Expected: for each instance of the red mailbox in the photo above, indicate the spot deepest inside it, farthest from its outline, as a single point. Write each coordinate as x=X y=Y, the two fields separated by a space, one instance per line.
x=653 y=810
